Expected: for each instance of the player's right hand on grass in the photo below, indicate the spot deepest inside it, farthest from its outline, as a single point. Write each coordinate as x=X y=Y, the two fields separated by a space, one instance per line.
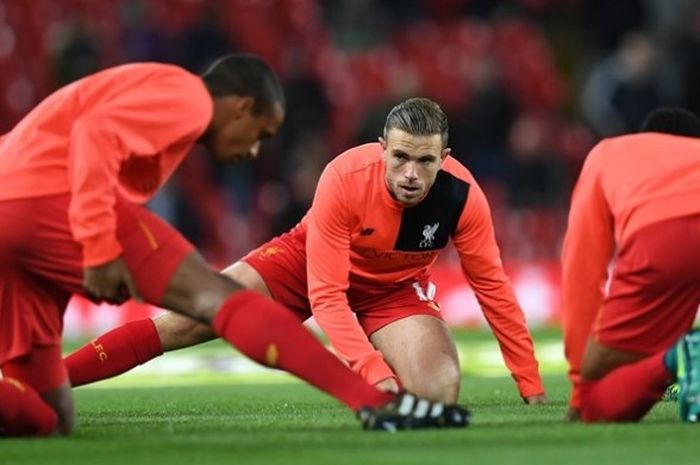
x=110 y=282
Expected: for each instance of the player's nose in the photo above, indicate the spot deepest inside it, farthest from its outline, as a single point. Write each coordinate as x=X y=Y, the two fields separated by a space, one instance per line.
x=411 y=172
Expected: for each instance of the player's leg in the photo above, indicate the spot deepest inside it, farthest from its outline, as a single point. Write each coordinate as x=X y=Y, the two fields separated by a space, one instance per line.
x=621 y=385
x=177 y=331
x=653 y=300
x=140 y=341
x=406 y=326
x=35 y=397
x=38 y=393
x=168 y=273
x=272 y=335
x=421 y=352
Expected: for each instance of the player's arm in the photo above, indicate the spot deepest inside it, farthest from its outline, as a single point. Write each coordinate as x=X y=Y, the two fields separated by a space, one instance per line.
x=328 y=266
x=140 y=121
x=586 y=253
x=481 y=263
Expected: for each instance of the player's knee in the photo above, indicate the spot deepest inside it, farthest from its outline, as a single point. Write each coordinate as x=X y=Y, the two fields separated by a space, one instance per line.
x=184 y=332
x=441 y=383
x=207 y=299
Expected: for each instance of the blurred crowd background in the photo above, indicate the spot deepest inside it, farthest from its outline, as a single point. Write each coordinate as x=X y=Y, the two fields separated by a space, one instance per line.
x=529 y=86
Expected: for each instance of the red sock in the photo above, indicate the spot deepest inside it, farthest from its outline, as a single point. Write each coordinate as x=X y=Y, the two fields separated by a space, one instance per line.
x=269 y=334
x=114 y=352
x=626 y=393
x=23 y=412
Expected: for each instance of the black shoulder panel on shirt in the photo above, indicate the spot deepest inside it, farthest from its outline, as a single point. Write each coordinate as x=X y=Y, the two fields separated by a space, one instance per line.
x=428 y=225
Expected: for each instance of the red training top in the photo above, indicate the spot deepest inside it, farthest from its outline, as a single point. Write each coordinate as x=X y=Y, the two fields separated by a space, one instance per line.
x=351 y=199
x=123 y=130
x=626 y=183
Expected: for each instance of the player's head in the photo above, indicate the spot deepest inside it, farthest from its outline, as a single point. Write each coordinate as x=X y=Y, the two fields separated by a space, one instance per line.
x=676 y=121
x=415 y=145
x=248 y=106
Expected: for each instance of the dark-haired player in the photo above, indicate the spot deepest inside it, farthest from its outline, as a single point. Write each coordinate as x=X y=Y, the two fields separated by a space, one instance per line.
x=637 y=201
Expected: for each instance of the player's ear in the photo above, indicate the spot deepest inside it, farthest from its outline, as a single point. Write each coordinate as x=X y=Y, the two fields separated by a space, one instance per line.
x=445 y=152
x=382 y=142
x=245 y=104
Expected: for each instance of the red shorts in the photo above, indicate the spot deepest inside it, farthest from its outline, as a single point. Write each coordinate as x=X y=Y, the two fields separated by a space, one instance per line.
x=281 y=263
x=655 y=288
x=41 y=267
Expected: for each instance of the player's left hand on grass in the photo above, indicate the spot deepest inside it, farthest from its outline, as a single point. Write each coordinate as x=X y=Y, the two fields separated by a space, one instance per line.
x=111 y=282
x=536 y=400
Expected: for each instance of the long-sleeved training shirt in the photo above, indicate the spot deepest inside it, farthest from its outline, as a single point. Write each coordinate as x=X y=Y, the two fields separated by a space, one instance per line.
x=357 y=232
x=626 y=183
x=122 y=131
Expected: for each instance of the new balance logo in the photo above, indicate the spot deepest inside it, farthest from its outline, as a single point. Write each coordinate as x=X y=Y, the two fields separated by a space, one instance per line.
x=366 y=232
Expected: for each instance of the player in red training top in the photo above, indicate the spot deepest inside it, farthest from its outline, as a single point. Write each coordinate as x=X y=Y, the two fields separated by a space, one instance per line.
x=72 y=175
x=637 y=200
x=360 y=262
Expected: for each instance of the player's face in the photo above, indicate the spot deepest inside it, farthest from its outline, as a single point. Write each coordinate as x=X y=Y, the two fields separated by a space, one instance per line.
x=236 y=133
x=412 y=163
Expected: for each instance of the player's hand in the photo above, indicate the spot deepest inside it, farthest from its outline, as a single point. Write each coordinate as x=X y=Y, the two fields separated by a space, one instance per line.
x=388 y=385
x=572 y=415
x=536 y=400
x=111 y=282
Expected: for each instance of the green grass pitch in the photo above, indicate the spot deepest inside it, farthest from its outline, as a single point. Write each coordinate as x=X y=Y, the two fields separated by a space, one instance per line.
x=255 y=419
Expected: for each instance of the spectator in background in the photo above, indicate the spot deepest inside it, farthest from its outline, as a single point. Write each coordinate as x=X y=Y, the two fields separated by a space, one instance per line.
x=481 y=131
x=533 y=173
x=76 y=52
x=624 y=87
x=688 y=57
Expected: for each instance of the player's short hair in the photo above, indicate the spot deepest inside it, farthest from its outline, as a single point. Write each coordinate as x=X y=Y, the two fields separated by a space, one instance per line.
x=245 y=75
x=419 y=117
x=676 y=121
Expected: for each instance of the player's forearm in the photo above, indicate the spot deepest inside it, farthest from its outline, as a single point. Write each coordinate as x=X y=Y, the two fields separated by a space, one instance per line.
x=93 y=166
x=349 y=340
x=519 y=357
x=508 y=325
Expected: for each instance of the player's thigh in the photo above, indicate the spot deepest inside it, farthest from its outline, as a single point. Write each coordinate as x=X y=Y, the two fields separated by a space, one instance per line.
x=599 y=360
x=178 y=331
x=248 y=277
x=653 y=297
x=423 y=355
x=197 y=291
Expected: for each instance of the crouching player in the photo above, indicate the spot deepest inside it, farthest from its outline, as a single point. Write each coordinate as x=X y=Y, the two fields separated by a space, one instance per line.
x=638 y=196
